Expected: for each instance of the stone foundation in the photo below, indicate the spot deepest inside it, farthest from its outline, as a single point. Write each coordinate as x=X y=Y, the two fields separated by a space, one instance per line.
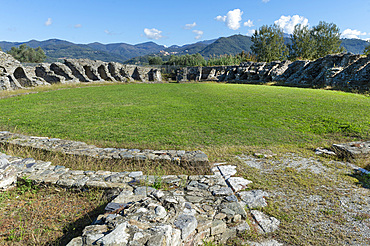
x=187 y=211
x=180 y=157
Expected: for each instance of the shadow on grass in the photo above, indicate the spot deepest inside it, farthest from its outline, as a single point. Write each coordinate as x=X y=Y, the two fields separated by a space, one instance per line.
x=363 y=179
x=75 y=228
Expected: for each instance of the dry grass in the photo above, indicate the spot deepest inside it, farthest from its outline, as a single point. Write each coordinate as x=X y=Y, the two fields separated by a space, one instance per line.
x=31 y=215
x=304 y=220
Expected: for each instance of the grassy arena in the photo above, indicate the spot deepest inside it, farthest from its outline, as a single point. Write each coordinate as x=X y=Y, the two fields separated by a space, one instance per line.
x=217 y=118
x=190 y=116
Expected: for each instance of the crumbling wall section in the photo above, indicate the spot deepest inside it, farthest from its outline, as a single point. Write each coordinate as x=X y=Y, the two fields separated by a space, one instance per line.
x=346 y=71
x=339 y=71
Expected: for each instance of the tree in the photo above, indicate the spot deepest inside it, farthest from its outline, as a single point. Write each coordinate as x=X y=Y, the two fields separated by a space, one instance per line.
x=303 y=43
x=187 y=60
x=367 y=49
x=26 y=54
x=268 y=44
x=155 y=60
x=327 y=39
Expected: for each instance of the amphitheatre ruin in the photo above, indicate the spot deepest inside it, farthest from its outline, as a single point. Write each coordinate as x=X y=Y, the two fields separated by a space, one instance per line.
x=194 y=209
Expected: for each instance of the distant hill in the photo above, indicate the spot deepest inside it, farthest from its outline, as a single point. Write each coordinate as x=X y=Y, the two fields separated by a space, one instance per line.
x=58 y=49
x=230 y=45
x=126 y=53
x=355 y=46
x=234 y=45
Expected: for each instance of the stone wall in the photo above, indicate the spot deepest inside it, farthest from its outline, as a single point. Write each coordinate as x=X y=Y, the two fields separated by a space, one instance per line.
x=339 y=71
x=15 y=76
x=344 y=71
x=180 y=157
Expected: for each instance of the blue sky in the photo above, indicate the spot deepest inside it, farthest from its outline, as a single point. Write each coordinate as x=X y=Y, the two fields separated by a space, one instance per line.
x=171 y=22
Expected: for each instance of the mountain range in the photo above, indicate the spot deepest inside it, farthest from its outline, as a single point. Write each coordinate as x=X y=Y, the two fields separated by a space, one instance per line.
x=56 y=49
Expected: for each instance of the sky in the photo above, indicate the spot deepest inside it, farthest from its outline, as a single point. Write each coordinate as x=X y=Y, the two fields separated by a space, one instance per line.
x=173 y=22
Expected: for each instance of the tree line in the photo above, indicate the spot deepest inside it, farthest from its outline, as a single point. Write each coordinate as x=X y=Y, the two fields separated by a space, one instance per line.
x=198 y=60
x=268 y=45
x=25 y=53
x=307 y=43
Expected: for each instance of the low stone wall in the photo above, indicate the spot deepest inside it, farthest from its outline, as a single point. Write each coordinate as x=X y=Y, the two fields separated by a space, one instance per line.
x=180 y=157
x=340 y=70
x=353 y=150
x=190 y=210
x=15 y=76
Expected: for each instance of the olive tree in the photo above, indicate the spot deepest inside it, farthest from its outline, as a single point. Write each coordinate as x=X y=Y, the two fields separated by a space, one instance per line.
x=303 y=43
x=327 y=39
x=26 y=54
x=268 y=44
x=155 y=60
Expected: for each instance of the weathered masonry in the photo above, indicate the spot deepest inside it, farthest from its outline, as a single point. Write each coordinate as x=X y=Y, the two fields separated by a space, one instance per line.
x=15 y=76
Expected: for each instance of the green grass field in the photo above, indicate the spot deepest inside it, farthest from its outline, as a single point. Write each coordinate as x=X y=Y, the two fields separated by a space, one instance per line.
x=190 y=116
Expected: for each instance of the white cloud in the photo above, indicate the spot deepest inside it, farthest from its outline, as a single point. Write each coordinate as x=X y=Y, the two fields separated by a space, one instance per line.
x=78 y=25
x=48 y=22
x=111 y=33
x=287 y=23
x=190 y=26
x=221 y=18
x=349 y=33
x=198 y=33
x=265 y=1
x=250 y=32
x=232 y=19
x=153 y=33
x=248 y=23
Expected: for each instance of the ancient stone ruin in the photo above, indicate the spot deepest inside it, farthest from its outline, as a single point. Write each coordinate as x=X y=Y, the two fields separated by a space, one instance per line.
x=186 y=211
x=336 y=71
x=15 y=76
x=341 y=71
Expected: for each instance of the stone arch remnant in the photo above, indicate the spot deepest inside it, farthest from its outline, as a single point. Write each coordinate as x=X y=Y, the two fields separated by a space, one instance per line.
x=22 y=78
x=103 y=73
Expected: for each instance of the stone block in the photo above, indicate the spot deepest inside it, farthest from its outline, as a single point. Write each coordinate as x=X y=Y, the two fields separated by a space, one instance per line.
x=224 y=191
x=77 y=241
x=218 y=227
x=160 y=211
x=119 y=236
x=143 y=190
x=187 y=224
x=227 y=171
x=163 y=235
x=8 y=175
x=242 y=227
x=135 y=174
x=176 y=237
x=268 y=224
x=238 y=183
x=254 y=198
